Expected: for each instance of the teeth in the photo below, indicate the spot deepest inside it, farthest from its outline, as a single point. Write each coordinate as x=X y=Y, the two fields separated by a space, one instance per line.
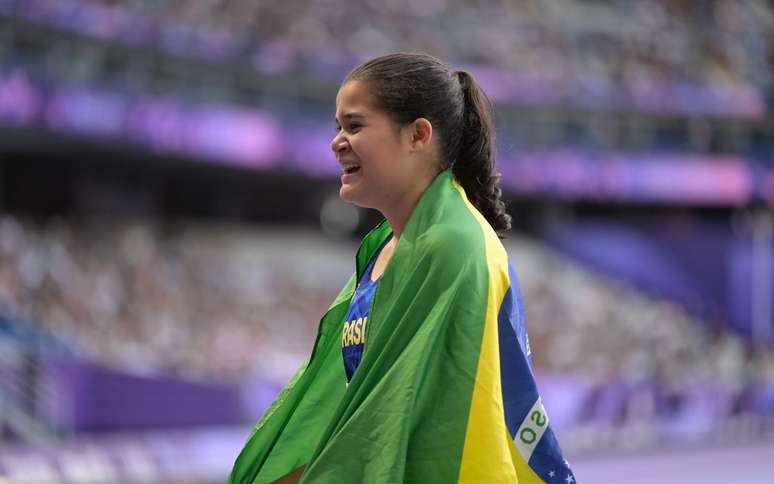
x=350 y=168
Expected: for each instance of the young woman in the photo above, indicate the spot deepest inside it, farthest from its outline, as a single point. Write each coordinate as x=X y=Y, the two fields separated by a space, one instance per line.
x=421 y=369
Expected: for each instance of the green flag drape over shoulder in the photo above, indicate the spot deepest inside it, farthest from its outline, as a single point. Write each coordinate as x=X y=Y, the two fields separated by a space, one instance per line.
x=444 y=392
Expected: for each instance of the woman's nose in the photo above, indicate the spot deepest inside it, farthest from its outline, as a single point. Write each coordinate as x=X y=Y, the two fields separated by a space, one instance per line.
x=338 y=143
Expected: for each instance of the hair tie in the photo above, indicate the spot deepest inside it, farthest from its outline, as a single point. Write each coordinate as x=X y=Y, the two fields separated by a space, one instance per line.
x=462 y=78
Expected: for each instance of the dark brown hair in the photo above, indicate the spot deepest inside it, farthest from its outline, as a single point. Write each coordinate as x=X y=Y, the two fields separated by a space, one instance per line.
x=410 y=86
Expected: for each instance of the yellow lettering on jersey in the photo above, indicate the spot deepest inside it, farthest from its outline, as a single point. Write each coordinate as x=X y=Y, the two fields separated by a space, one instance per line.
x=358 y=326
x=351 y=334
x=344 y=335
x=354 y=332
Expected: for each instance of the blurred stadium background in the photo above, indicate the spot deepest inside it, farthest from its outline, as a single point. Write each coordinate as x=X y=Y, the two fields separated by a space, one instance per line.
x=167 y=192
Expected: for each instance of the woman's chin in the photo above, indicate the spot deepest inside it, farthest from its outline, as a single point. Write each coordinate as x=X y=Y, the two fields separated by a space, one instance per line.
x=351 y=194
x=348 y=193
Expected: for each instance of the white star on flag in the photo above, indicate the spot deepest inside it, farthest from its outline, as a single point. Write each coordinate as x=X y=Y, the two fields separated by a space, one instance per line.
x=569 y=479
x=551 y=474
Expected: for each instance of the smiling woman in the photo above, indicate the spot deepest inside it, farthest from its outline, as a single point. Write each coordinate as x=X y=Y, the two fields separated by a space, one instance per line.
x=421 y=371
x=386 y=166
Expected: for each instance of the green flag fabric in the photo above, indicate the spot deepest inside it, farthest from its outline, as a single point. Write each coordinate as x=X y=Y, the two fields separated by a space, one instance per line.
x=444 y=392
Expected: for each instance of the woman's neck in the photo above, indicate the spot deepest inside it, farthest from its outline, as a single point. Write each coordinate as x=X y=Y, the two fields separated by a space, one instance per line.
x=399 y=211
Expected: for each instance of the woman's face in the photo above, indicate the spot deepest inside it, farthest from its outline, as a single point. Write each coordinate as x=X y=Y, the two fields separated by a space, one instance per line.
x=373 y=150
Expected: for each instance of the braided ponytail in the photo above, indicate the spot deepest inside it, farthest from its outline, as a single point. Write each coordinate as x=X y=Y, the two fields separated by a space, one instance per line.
x=474 y=165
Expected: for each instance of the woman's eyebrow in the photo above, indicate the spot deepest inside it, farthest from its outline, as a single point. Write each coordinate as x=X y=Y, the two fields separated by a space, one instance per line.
x=351 y=116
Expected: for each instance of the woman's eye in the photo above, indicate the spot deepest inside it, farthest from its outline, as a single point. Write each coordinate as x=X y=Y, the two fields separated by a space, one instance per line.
x=352 y=128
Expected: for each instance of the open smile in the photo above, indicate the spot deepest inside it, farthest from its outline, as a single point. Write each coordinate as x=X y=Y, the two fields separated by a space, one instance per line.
x=351 y=168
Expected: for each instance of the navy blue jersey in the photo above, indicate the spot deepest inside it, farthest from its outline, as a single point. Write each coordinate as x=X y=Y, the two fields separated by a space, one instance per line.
x=353 y=336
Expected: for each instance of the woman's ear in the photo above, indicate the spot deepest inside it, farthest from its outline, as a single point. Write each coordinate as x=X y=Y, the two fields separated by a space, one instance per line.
x=420 y=134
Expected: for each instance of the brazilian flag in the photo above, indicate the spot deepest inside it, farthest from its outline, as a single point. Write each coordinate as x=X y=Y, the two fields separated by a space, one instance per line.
x=444 y=392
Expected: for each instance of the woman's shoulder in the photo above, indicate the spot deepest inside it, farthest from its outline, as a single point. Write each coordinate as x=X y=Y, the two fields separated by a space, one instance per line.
x=461 y=245
x=448 y=239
